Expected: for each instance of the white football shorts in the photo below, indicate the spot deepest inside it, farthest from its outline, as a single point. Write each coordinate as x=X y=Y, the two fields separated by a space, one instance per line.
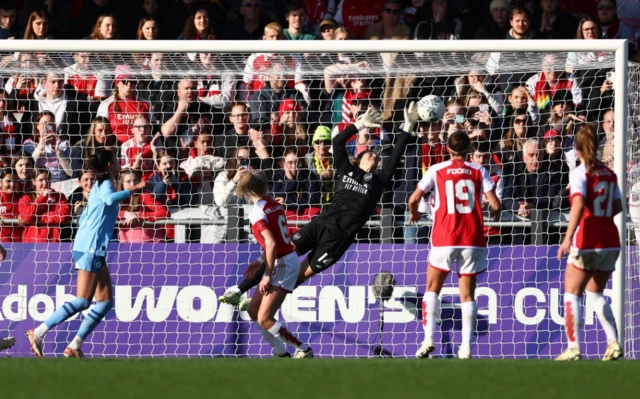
x=285 y=272
x=602 y=260
x=469 y=261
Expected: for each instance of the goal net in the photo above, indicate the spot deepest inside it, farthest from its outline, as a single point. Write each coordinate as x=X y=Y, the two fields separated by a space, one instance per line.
x=191 y=117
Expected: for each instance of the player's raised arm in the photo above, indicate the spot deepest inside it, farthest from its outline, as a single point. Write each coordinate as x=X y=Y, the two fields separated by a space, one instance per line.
x=388 y=169
x=371 y=119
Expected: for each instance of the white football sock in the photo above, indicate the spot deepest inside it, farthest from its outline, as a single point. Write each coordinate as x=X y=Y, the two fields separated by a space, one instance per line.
x=469 y=311
x=605 y=314
x=285 y=336
x=572 y=320
x=430 y=305
x=275 y=343
x=41 y=330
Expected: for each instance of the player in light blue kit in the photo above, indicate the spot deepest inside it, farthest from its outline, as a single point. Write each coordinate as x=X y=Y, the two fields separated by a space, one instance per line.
x=89 y=252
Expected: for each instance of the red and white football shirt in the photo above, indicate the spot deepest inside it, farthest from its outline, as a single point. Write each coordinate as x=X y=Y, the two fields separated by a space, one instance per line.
x=122 y=114
x=457 y=193
x=599 y=188
x=268 y=214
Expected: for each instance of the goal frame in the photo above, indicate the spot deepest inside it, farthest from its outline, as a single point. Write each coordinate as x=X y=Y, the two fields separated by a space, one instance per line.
x=617 y=46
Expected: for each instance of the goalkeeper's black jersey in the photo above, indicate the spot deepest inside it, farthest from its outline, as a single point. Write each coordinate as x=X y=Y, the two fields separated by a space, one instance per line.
x=356 y=192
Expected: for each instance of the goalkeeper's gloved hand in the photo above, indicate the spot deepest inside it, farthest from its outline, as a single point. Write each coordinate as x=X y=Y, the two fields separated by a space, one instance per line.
x=371 y=118
x=411 y=117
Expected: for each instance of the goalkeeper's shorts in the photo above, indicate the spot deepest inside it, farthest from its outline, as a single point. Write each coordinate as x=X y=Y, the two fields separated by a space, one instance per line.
x=88 y=261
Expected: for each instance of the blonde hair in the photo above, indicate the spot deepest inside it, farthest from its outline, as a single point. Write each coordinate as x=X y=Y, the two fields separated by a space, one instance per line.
x=276 y=27
x=253 y=183
x=96 y=35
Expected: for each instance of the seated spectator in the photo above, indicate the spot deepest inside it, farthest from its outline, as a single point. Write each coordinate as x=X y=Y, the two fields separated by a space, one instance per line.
x=588 y=29
x=148 y=29
x=219 y=88
x=520 y=22
x=390 y=26
x=564 y=117
x=52 y=151
x=553 y=23
x=320 y=162
x=296 y=16
x=202 y=156
x=263 y=152
x=184 y=116
x=496 y=27
x=11 y=137
x=612 y=27
x=23 y=166
x=542 y=86
x=70 y=111
x=91 y=10
x=289 y=129
x=198 y=26
x=37 y=26
x=265 y=102
x=8 y=16
x=605 y=150
x=138 y=153
x=9 y=232
x=80 y=197
x=84 y=80
x=250 y=22
x=519 y=131
x=529 y=185
x=438 y=23
x=138 y=214
x=224 y=189
x=358 y=15
x=43 y=210
x=327 y=29
x=124 y=106
x=169 y=185
x=106 y=28
x=237 y=135
x=298 y=188
x=155 y=86
x=98 y=137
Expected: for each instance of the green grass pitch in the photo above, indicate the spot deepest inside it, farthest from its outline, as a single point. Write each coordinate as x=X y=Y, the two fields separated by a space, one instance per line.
x=315 y=378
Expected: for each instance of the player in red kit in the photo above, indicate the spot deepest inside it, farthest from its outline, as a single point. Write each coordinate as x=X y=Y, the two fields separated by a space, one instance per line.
x=269 y=226
x=592 y=242
x=457 y=235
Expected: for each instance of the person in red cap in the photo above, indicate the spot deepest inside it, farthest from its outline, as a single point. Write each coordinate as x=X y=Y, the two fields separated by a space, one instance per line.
x=124 y=106
x=290 y=125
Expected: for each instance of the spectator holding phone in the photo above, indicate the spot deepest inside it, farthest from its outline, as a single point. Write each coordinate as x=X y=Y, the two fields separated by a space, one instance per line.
x=43 y=210
x=169 y=185
x=51 y=151
x=137 y=153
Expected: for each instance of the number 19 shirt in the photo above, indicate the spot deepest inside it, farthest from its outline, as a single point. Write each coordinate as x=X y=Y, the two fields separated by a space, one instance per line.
x=457 y=191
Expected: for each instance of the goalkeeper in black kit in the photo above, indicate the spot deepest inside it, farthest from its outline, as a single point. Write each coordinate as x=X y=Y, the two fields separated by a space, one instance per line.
x=358 y=189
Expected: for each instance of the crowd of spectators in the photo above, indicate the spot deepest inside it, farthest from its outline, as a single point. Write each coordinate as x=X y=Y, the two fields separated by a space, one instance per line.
x=192 y=136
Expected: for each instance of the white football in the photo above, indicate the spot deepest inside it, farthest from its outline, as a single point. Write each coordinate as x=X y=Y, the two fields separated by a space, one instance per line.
x=431 y=108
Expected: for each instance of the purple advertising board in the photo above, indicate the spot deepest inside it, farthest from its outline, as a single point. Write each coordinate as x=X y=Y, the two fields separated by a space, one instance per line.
x=166 y=303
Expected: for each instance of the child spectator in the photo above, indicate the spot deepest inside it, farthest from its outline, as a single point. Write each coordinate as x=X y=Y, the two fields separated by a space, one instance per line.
x=138 y=152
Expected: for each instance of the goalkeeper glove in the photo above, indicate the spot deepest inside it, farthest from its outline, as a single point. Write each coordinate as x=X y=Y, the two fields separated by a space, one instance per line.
x=371 y=118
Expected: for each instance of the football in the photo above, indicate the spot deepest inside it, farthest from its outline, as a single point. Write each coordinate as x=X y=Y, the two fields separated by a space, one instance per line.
x=431 y=108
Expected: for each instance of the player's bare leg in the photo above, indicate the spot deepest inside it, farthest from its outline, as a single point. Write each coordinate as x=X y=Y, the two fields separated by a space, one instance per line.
x=254 y=309
x=430 y=305
x=467 y=287
x=595 y=288
x=575 y=282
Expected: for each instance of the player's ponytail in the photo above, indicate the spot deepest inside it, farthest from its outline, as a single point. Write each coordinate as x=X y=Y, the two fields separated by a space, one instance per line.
x=253 y=183
x=99 y=164
x=586 y=143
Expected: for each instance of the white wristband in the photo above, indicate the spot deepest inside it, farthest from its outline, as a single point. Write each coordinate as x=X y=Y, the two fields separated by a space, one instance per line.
x=261 y=260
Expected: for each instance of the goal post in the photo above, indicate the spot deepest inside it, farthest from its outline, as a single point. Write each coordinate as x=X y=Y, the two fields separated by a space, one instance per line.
x=441 y=59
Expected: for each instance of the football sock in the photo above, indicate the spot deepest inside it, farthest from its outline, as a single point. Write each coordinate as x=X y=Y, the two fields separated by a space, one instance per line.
x=285 y=336
x=469 y=311
x=572 y=318
x=275 y=343
x=429 y=309
x=96 y=314
x=61 y=314
x=605 y=315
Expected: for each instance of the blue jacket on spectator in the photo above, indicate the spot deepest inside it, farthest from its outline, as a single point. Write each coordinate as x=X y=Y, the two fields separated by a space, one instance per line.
x=540 y=188
x=181 y=191
x=300 y=193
